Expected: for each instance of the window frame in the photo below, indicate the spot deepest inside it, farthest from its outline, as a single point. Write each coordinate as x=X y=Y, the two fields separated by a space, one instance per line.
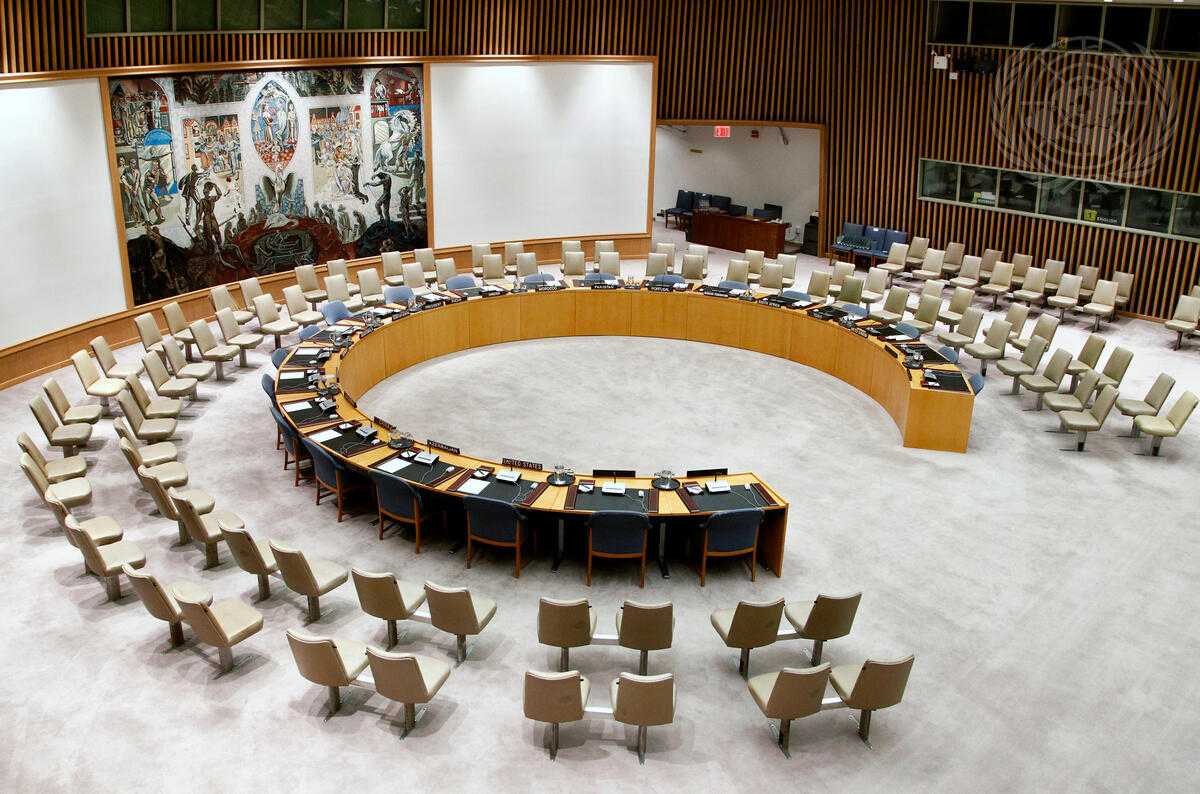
x=175 y=30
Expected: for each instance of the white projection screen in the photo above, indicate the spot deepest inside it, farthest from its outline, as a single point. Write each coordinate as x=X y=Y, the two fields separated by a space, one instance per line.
x=533 y=150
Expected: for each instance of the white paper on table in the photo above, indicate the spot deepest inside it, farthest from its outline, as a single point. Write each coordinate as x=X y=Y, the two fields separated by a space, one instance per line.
x=473 y=486
x=308 y=351
x=291 y=375
x=291 y=408
x=392 y=466
x=325 y=435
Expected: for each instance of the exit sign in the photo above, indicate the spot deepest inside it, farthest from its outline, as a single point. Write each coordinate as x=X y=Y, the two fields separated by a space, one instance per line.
x=721 y=132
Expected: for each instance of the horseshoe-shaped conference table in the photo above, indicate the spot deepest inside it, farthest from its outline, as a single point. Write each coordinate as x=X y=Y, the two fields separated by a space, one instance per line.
x=928 y=417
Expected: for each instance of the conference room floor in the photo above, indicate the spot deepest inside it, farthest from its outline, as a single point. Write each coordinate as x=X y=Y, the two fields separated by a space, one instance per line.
x=1047 y=595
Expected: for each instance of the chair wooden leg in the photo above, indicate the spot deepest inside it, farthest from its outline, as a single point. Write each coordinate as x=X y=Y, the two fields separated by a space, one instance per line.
x=703 y=566
x=470 y=549
x=381 y=524
x=642 y=572
x=517 y=564
x=417 y=536
x=754 y=564
x=589 y=568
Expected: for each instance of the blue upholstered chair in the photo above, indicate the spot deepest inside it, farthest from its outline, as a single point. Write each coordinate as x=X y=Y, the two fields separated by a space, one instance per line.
x=891 y=237
x=460 y=281
x=494 y=523
x=685 y=202
x=668 y=278
x=538 y=278
x=289 y=440
x=796 y=295
x=905 y=328
x=617 y=534
x=727 y=284
x=333 y=311
x=398 y=295
x=976 y=380
x=331 y=475
x=308 y=332
x=399 y=502
x=721 y=203
x=854 y=311
x=277 y=356
x=850 y=231
x=731 y=533
x=736 y=210
x=592 y=278
x=268 y=385
x=948 y=353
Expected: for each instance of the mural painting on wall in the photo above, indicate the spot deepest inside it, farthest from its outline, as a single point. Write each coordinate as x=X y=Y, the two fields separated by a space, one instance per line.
x=229 y=175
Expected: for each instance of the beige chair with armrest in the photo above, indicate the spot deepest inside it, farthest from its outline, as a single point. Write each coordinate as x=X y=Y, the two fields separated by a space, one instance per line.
x=1124 y=288
x=993 y=346
x=915 y=254
x=1089 y=277
x=1032 y=292
x=269 y=321
x=1078 y=399
x=953 y=260
x=200 y=370
x=54 y=470
x=1186 y=318
x=337 y=289
x=952 y=314
x=251 y=289
x=203 y=528
x=896 y=261
x=244 y=341
x=871 y=686
x=770 y=281
x=109 y=560
x=645 y=628
x=337 y=267
x=94 y=383
x=1149 y=405
x=1054 y=273
x=306 y=277
x=83 y=413
x=222 y=299
x=1116 y=367
x=149 y=455
x=383 y=596
x=148 y=332
x=478 y=252
x=407 y=678
x=894 y=305
x=1027 y=364
x=609 y=262
x=444 y=270
x=108 y=361
x=393 y=268
x=251 y=555
x=565 y=625
x=851 y=291
x=310 y=577
x=223 y=624
x=933 y=288
x=968 y=274
x=671 y=253
x=370 y=287
x=70 y=493
x=818 y=286
x=68 y=438
x=328 y=662
x=574 y=263
x=1020 y=263
x=693 y=268
x=555 y=698
x=1089 y=419
x=457 y=611
x=153 y=408
x=756 y=259
x=1088 y=358
x=926 y=314
x=1016 y=316
x=1160 y=427
x=987 y=262
x=428 y=262
x=414 y=278
x=149 y=430
x=178 y=325
x=789 y=694
x=656 y=265
x=841 y=271
x=932 y=267
x=738 y=270
x=525 y=264
x=1103 y=304
x=965 y=332
x=153 y=479
x=160 y=602
x=298 y=309
x=1067 y=295
x=493 y=271
x=999 y=283
x=644 y=701
x=749 y=625
x=211 y=350
x=788 y=263
x=823 y=619
x=165 y=384
x=1046 y=327
x=876 y=286
x=1049 y=379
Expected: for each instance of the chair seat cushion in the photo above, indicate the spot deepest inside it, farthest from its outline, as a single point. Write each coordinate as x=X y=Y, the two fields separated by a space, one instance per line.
x=88 y=414
x=1155 y=426
x=241 y=316
x=1180 y=326
x=394 y=281
x=246 y=340
x=327 y=574
x=1131 y=407
x=1062 y=402
x=102 y=530
x=963 y=281
x=1027 y=295
x=1020 y=343
x=191 y=591
x=884 y=316
x=797 y=613
x=156 y=429
x=307 y=317
x=226 y=517
x=171 y=474
x=485 y=610
x=760 y=687
x=984 y=351
x=353 y=655
x=949 y=317
x=314 y=295
x=123 y=371
x=157 y=454
x=1101 y=309
x=202 y=501
x=843 y=678
x=994 y=289
x=177 y=387
x=197 y=370
x=1036 y=382
x=435 y=673
x=106 y=387
x=220 y=353
x=1061 y=303
x=1078 y=420
x=954 y=339
x=722 y=621
x=413 y=595
x=1106 y=381
x=123 y=552
x=237 y=619
x=65 y=468
x=1076 y=367
x=280 y=326
x=891 y=267
x=921 y=325
x=71 y=492
x=163 y=408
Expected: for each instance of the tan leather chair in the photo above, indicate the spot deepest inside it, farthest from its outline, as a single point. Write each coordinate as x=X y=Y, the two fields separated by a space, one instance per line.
x=1054 y=273
x=478 y=252
x=252 y=556
x=966 y=331
x=160 y=602
x=166 y=384
x=493 y=270
x=608 y=246
x=893 y=307
x=555 y=698
x=953 y=260
x=871 y=686
x=993 y=346
x=770 y=280
x=171 y=474
x=968 y=274
x=211 y=350
x=1115 y=367
x=457 y=611
x=68 y=414
x=68 y=438
x=269 y=321
x=1032 y=291
x=818 y=286
x=932 y=266
x=876 y=286
x=1150 y=405
x=54 y=470
x=94 y=383
x=234 y=336
x=926 y=315
x=428 y=262
x=148 y=332
x=1049 y=379
x=200 y=370
x=414 y=278
x=223 y=624
x=177 y=324
x=789 y=694
x=251 y=289
x=645 y=628
x=203 y=528
x=826 y=618
x=328 y=662
x=738 y=270
x=1088 y=358
x=298 y=308
x=306 y=277
x=916 y=251
x=1160 y=427
x=1016 y=316
x=896 y=261
x=384 y=596
x=1089 y=277
x=1046 y=327
x=656 y=265
x=841 y=271
x=1089 y=419
x=108 y=362
x=609 y=262
x=310 y=577
x=999 y=283
x=526 y=264
x=644 y=701
x=222 y=299
x=668 y=250
x=933 y=288
x=337 y=267
x=511 y=251
x=960 y=301
x=145 y=429
x=407 y=678
x=755 y=259
x=693 y=268
x=444 y=270
x=71 y=493
x=149 y=454
x=788 y=263
x=568 y=246
x=1066 y=296
x=565 y=625
x=153 y=408
x=574 y=263
x=1186 y=318
x=1020 y=263
x=1103 y=304
x=987 y=263
x=103 y=530
x=1078 y=399
x=1027 y=364
x=393 y=268
x=338 y=289
x=850 y=293
x=749 y=625
x=107 y=561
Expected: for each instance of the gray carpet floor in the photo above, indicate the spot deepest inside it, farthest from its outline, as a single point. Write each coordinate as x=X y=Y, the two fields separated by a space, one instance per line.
x=1048 y=595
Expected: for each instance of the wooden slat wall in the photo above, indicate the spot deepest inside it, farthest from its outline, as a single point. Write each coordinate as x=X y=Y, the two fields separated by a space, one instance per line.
x=860 y=68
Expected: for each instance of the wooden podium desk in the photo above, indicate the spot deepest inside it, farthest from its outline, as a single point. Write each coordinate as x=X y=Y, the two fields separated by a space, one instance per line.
x=737 y=233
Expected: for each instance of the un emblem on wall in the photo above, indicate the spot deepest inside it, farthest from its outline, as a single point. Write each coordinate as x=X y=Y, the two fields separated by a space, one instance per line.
x=1061 y=111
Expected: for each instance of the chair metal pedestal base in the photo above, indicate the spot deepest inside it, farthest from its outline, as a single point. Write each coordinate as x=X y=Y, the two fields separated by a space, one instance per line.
x=112 y=586
x=642 y=744
x=744 y=663
x=210 y=555
x=176 y=634
x=226 y=657
x=818 y=646
x=264 y=587
x=335 y=700
x=564 y=660
x=314 y=609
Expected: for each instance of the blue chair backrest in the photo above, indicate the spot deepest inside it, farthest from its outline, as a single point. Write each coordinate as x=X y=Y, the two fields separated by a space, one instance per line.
x=857 y=311
x=720 y=202
x=324 y=465
x=268 y=385
x=877 y=236
x=286 y=431
x=796 y=295
x=461 y=281
x=492 y=519
x=684 y=200
x=395 y=495
x=766 y=215
x=667 y=278
x=852 y=230
x=948 y=353
x=309 y=332
x=895 y=236
x=539 y=278
x=398 y=295
x=976 y=380
x=618 y=531
x=591 y=277
x=733 y=530
x=911 y=330
x=333 y=311
x=737 y=210
x=277 y=356
x=727 y=284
